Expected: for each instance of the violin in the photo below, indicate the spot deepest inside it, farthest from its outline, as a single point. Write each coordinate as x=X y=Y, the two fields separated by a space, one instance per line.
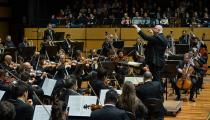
x=93 y=107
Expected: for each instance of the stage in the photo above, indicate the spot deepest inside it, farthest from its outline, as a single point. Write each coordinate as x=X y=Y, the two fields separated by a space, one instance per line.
x=198 y=110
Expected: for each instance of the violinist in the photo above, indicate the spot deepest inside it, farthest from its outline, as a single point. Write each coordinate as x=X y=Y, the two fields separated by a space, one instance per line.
x=99 y=83
x=139 y=50
x=94 y=58
x=67 y=44
x=69 y=88
x=121 y=70
x=110 y=111
x=107 y=45
x=180 y=68
x=3 y=85
x=9 y=65
x=93 y=54
x=62 y=69
x=79 y=57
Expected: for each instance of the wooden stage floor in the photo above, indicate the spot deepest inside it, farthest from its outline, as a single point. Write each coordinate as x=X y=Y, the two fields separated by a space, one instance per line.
x=198 y=110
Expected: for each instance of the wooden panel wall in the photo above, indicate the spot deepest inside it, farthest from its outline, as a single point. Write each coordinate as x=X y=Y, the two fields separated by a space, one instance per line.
x=94 y=37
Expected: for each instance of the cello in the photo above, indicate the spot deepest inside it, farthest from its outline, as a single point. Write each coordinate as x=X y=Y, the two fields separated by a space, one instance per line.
x=185 y=81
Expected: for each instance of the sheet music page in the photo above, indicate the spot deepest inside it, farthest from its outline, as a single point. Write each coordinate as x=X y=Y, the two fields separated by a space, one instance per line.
x=1 y=94
x=134 y=80
x=40 y=113
x=48 y=86
x=103 y=95
x=76 y=105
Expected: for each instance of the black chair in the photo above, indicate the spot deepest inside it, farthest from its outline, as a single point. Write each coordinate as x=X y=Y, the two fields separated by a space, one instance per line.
x=154 y=107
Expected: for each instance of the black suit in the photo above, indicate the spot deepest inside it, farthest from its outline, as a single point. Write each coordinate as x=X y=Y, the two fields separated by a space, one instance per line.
x=151 y=90
x=181 y=65
x=23 y=110
x=66 y=45
x=105 y=48
x=109 y=112
x=23 y=44
x=154 y=53
x=49 y=34
x=97 y=85
x=9 y=44
x=7 y=90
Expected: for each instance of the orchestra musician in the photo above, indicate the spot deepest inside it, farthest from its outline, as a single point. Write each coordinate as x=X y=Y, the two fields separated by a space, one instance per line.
x=9 y=43
x=183 y=64
x=110 y=111
x=49 y=33
x=155 y=50
x=121 y=70
x=79 y=57
x=9 y=64
x=108 y=44
x=151 y=90
x=25 y=43
x=99 y=83
x=139 y=50
x=67 y=44
x=62 y=69
x=69 y=88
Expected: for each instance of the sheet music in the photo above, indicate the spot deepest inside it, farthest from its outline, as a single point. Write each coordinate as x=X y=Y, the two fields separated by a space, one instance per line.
x=40 y=113
x=1 y=94
x=103 y=94
x=134 y=80
x=48 y=86
x=77 y=103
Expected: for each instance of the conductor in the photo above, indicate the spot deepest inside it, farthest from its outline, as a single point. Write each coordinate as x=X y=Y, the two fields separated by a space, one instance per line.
x=155 y=49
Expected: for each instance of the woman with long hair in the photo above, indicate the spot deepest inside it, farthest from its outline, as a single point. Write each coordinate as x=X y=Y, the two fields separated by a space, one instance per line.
x=130 y=102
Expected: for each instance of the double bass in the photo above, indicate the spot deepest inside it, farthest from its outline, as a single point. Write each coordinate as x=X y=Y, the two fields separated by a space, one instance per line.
x=185 y=81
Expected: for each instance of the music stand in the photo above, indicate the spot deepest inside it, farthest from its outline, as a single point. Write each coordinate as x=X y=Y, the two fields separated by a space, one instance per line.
x=118 y=44
x=129 y=51
x=182 y=48
x=176 y=57
x=51 y=50
x=78 y=45
x=27 y=52
x=59 y=36
x=10 y=51
x=110 y=67
x=169 y=71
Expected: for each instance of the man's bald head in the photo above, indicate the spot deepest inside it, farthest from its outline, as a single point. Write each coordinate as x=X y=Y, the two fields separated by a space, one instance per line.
x=158 y=29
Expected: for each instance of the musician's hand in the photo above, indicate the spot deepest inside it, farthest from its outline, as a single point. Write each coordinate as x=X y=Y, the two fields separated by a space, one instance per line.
x=67 y=66
x=30 y=102
x=180 y=70
x=137 y=28
x=150 y=31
